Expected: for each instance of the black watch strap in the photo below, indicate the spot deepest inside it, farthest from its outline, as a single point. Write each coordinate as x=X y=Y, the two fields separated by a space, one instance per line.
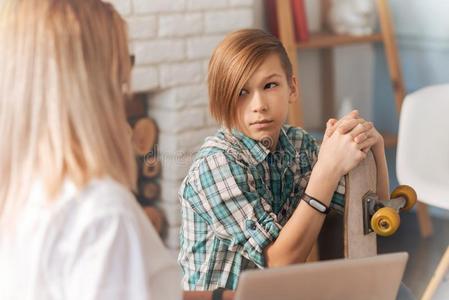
x=217 y=294
x=316 y=204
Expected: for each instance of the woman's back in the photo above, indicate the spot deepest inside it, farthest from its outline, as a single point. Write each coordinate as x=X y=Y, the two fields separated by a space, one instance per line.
x=97 y=238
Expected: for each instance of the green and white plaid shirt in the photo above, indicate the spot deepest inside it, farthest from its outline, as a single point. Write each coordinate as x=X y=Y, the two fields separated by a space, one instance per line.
x=236 y=198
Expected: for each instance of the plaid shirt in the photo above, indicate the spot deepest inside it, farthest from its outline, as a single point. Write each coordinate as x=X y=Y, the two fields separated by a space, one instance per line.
x=236 y=198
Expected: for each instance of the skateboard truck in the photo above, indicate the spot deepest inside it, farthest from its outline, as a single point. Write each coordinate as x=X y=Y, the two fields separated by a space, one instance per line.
x=382 y=216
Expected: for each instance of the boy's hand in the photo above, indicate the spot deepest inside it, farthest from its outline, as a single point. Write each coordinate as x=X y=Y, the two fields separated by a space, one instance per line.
x=345 y=124
x=362 y=132
x=339 y=154
x=371 y=138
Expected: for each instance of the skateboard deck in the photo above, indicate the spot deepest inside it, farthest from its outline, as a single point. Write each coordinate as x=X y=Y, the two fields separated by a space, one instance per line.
x=342 y=236
x=353 y=234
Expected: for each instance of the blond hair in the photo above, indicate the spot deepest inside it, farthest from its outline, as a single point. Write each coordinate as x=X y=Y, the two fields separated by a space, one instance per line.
x=232 y=63
x=63 y=67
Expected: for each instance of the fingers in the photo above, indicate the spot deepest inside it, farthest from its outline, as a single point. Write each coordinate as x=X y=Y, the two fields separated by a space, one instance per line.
x=352 y=115
x=330 y=127
x=349 y=124
x=332 y=124
x=360 y=129
x=367 y=144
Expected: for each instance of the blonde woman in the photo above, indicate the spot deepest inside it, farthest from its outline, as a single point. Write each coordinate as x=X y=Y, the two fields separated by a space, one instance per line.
x=69 y=225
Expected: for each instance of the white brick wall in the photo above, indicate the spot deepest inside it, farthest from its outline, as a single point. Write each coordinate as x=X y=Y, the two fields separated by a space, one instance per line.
x=202 y=46
x=172 y=41
x=158 y=6
x=181 y=25
x=158 y=50
x=142 y=27
x=219 y=21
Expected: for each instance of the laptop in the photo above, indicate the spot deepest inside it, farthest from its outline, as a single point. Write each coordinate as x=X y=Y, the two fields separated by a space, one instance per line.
x=376 y=277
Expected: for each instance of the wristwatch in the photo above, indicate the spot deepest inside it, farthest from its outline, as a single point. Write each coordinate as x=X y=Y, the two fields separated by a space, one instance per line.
x=316 y=204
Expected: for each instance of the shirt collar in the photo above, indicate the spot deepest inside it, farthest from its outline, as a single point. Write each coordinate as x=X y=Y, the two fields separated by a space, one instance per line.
x=259 y=152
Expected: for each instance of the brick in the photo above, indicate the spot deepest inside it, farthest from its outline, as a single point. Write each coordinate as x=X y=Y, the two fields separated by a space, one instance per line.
x=169 y=191
x=182 y=147
x=180 y=97
x=206 y=68
x=172 y=237
x=172 y=213
x=142 y=27
x=202 y=47
x=209 y=120
x=180 y=25
x=229 y=20
x=122 y=6
x=206 y=4
x=181 y=73
x=192 y=141
x=178 y=121
x=175 y=168
x=158 y=51
x=241 y=2
x=157 y=6
x=144 y=79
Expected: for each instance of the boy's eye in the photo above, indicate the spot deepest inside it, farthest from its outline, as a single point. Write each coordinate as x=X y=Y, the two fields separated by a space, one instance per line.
x=243 y=92
x=271 y=85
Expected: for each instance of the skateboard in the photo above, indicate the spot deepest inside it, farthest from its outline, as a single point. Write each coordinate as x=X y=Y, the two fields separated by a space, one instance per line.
x=354 y=234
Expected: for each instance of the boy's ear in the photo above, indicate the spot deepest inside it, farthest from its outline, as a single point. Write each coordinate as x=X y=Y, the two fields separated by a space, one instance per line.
x=293 y=97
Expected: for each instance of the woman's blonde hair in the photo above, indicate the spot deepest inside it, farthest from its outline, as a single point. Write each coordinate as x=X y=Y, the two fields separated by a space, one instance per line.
x=63 y=67
x=232 y=63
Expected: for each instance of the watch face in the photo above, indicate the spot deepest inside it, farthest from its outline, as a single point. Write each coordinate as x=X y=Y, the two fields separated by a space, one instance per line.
x=317 y=205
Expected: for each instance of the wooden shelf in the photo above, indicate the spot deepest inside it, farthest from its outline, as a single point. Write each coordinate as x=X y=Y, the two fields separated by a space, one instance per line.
x=328 y=40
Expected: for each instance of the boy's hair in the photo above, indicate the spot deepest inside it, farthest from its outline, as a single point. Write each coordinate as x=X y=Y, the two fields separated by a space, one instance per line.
x=233 y=62
x=64 y=66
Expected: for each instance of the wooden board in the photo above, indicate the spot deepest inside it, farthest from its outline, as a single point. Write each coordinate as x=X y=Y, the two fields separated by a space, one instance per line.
x=342 y=235
x=358 y=182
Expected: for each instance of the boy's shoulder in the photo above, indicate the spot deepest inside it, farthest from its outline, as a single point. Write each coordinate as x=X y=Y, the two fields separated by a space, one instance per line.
x=221 y=145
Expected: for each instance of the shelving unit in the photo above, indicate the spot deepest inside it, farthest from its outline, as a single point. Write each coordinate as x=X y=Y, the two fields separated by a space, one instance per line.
x=325 y=42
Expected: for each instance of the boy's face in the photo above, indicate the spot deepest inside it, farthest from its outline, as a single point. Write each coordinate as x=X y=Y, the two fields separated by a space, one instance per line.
x=263 y=102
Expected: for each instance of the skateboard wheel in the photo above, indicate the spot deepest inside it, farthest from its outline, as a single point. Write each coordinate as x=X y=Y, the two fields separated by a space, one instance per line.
x=385 y=221
x=408 y=193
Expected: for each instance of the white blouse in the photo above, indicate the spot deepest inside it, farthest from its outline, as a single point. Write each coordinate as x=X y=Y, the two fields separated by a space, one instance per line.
x=96 y=243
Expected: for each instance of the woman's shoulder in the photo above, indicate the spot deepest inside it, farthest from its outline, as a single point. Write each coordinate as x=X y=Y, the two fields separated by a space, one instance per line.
x=106 y=193
x=100 y=200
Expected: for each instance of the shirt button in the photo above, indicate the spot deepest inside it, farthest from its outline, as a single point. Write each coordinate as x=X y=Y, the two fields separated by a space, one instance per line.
x=253 y=226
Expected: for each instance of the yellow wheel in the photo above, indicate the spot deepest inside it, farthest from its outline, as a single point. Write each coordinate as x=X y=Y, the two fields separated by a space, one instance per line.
x=408 y=193
x=385 y=221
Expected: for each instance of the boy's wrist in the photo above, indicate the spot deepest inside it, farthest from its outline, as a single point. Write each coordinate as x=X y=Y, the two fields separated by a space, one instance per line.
x=322 y=183
x=379 y=147
x=329 y=172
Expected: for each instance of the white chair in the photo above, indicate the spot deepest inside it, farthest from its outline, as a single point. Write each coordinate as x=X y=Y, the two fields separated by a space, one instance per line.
x=423 y=149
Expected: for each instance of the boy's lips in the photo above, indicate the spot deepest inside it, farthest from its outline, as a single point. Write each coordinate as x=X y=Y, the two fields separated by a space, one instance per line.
x=260 y=122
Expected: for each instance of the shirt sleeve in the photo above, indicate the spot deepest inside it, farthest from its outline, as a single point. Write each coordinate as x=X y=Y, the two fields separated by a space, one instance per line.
x=223 y=193
x=312 y=149
x=115 y=258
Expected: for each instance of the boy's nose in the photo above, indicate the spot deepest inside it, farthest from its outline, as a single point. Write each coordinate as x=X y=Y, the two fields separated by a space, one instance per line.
x=258 y=103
